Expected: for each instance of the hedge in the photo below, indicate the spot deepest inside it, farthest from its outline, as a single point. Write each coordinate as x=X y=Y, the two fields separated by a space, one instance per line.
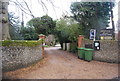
x=25 y=43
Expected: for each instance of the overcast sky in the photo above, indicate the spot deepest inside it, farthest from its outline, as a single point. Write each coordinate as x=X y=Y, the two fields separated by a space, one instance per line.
x=59 y=9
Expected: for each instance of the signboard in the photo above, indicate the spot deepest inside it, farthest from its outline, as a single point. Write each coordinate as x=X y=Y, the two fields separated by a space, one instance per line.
x=92 y=34
x=106 y=34
x=97 y=45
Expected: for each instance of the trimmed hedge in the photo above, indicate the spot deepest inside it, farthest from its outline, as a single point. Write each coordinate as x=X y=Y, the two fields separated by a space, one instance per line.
x=21 y=43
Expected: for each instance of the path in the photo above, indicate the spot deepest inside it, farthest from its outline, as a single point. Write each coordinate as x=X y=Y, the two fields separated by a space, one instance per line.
x=60 y=64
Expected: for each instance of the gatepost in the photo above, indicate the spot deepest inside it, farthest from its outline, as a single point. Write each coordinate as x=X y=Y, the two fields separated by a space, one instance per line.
x=42 y=37
x=80 y=40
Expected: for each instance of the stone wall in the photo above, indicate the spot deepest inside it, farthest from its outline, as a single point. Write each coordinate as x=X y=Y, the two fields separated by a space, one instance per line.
x=17 y=57
x=108 y=51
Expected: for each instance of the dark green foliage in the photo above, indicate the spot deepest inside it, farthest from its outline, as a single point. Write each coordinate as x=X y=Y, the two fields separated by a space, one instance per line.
x=44 y=25
x=21 y=43
x=36 y=26
x=91 y=15
x=29 y=33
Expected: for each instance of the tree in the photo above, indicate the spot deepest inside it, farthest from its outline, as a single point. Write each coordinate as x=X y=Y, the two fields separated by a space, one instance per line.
x=44 y=25
x=26 y=8
x=29 y=33
x=20 y=5
x=4 y=19
x=62 y=31
x=91 y=15
x=14 y=25
x=48 y=22
x=75 y=31
x=67 y=30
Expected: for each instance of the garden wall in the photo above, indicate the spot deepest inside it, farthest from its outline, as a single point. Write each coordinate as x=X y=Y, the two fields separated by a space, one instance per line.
x=14 y=57
x=108 y=51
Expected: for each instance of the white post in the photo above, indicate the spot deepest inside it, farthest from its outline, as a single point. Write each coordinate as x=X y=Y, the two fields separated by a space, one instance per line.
x=63 y=46
x=68 y=46
x=94 y=35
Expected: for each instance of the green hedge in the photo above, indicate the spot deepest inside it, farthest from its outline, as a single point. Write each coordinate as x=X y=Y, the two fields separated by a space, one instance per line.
x=21 y=43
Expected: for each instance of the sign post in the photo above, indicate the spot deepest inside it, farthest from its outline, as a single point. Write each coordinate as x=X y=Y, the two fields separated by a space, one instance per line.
x=92 y=34
x=95 y=43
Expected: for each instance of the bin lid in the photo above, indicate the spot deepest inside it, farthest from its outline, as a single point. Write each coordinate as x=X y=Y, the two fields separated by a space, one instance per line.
x=89 y=49
x=81 y=48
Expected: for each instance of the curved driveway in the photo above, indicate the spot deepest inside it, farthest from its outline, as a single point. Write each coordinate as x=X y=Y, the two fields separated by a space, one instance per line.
x=59 y=64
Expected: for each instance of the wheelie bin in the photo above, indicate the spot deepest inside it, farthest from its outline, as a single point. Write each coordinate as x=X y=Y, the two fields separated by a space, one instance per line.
x=88 y=54
x=81 y=53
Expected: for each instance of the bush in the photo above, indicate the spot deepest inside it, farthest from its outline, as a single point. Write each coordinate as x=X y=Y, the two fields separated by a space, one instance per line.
x=67 y=30
x=73 y=47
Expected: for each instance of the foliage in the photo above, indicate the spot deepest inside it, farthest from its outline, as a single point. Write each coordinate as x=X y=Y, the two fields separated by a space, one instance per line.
x=29 y=33
x=91 y=14
x=14 y=26
x=75 y=31
x=21 y=43
x=73 y=47
x=44 y=25
x=67 y=30
x=62 y=31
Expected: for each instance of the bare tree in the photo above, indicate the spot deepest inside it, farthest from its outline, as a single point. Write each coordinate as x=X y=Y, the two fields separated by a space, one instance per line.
x=25 y=8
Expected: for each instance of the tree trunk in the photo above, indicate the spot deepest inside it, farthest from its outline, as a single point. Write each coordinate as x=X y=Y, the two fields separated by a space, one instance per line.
x=0 y=20
x=5 y=26
x=61 y=45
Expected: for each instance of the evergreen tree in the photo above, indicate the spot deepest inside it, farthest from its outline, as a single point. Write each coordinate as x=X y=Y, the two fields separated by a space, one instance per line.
x=92 y=15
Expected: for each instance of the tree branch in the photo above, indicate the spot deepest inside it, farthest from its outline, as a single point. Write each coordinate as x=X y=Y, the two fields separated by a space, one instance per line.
x=29 y=8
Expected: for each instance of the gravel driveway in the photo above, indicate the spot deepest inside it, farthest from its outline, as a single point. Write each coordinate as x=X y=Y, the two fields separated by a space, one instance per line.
x=59 y=64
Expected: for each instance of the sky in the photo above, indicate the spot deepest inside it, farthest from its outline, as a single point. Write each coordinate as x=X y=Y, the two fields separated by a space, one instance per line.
x=61 y=7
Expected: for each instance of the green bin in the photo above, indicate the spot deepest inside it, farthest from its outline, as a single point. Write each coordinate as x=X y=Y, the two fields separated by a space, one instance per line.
x=88 y=54
x=81 y=53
